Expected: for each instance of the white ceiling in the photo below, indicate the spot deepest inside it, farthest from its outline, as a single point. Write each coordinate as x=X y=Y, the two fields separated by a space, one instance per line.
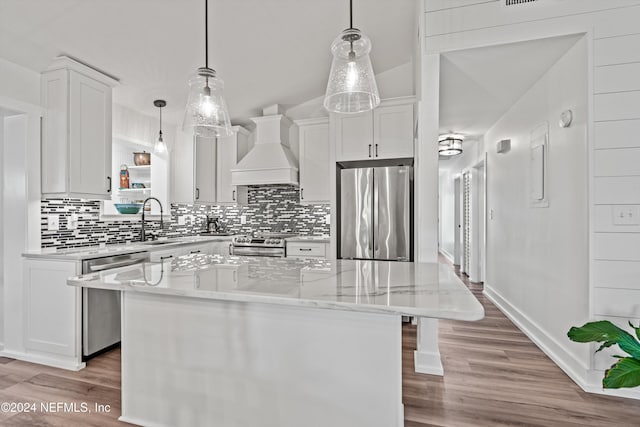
x=478 y=86
x=266 y=51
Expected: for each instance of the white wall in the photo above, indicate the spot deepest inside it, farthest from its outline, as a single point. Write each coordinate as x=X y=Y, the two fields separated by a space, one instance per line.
x=20 y=188
x=538 y=258
x=19 y=83
x=613 y=114
x=2 y=269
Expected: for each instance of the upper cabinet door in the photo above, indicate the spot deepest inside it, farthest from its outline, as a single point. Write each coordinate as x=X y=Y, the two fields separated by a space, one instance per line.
x=230 y=150
x=76 y=133
x=205 y=175
x=89 y=136
x=354 y=136
x=314 y=163
x=393 y=131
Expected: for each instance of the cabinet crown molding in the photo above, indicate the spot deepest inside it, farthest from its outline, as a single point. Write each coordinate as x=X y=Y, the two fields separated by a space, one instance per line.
x=64 y=62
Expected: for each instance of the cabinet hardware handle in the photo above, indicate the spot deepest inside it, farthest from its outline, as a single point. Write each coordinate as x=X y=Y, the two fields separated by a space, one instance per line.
x=369 y=150
x=162 y=258
x=109 y=188
x=305 y=249
x=302 y=194
x=376 y=150
x=197 y=193
x=234 y=276
x=230 y=249
x=195 y=252
x=233 y=195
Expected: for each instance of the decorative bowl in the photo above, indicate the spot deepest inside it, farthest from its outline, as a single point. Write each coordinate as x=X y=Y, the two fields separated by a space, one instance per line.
x=142 y=159
x=128 y=208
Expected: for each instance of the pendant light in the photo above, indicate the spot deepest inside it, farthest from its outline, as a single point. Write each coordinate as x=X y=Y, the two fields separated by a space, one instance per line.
x=206 y=110
x=160 y=147
x=352 y=85
x=450 y=145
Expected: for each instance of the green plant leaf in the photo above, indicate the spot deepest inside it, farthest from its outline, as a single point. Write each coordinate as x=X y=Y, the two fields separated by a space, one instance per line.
x=607 y=333
x=625 y=373
x=636 y=329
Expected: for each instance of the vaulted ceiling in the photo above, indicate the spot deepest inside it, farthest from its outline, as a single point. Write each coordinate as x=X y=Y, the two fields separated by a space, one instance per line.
x=266 y=51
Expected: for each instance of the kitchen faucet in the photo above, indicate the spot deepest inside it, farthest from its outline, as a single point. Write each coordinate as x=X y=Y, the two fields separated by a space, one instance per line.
x=143 y=236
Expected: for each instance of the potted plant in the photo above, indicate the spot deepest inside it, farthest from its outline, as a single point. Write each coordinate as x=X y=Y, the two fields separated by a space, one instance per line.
x=626 y=371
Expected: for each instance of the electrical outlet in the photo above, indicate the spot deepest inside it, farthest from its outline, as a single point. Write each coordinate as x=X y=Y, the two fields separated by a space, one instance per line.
x=625 y=215
x=243 y=219
x=72 y=222
x=53 y=222
x=181 y=220
x=327 y=219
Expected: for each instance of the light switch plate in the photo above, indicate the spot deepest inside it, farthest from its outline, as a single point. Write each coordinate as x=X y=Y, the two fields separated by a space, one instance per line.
x=181 y=220
x=243 y=219
x=625 y=215
x=327 y=219
x=53 y=222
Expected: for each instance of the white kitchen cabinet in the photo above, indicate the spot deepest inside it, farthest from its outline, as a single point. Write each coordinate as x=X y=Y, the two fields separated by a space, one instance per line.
x=393 y=131
x=201 y=168
x=302 y=250
x=76 y=133
x=205 y=170
x=53 y=312
x=230 y=150
x=384 y=133
x=314 y=160
x=354 y=136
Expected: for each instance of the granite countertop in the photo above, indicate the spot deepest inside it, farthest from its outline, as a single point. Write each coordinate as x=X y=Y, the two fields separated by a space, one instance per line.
x=305 y=239
x=88 y=252
x=398 y=288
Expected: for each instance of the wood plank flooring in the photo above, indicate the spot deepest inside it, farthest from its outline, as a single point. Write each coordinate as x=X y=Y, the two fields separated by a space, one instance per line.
x=494 y=376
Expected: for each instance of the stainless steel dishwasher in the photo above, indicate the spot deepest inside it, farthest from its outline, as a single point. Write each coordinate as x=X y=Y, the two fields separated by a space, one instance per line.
x=101 y=308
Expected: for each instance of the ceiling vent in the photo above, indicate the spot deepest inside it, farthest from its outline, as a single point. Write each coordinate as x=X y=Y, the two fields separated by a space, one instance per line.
x=515 y=2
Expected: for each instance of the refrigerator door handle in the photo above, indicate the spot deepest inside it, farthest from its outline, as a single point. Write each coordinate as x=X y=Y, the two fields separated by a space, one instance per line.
x=369 y=150
x=374 y=216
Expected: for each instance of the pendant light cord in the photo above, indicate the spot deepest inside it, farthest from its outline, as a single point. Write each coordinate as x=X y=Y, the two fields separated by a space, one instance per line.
x=161 y=121
x=350 y=14
x=206 y=33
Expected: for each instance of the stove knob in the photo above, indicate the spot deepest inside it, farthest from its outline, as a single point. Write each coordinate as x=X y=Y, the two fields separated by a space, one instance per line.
x=268 y=241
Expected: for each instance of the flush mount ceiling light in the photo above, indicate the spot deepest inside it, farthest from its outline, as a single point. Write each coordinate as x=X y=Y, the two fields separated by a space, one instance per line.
x=352 y=85
x=207 y=112
x=450 y=145
x=160 y=147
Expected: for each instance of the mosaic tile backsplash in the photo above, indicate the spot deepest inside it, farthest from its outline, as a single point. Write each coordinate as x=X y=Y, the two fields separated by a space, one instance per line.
x=270 y=208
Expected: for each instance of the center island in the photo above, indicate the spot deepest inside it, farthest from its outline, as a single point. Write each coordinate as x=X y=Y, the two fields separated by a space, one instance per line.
x=255 y=341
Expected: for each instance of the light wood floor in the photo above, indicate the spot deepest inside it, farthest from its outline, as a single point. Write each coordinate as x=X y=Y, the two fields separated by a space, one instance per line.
x=494 y=376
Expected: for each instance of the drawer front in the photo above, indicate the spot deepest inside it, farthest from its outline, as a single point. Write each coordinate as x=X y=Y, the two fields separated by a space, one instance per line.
x=306 y=250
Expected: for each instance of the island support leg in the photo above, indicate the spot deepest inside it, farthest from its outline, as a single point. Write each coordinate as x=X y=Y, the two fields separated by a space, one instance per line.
x=427 y=356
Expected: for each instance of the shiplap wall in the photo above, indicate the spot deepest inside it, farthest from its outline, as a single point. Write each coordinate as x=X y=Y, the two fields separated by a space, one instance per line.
x=614 y=33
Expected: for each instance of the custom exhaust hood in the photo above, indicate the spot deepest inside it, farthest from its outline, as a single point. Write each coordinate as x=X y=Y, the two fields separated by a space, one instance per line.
x=270 y=161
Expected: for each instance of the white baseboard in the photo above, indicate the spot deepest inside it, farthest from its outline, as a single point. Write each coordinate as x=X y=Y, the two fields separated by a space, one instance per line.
x=447 y=255
x=587 y=379
x=53 y=361
x=428 y=363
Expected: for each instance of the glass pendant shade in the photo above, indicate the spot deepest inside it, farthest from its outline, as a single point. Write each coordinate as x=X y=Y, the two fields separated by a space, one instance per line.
x=160 y=147
x=207 y=113
x=352 y=85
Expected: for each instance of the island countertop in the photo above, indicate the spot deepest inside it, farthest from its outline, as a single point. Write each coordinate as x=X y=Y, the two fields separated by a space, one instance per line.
x=399 y=288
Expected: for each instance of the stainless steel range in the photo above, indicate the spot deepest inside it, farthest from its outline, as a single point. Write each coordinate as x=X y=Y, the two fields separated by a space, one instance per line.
x=262 y=244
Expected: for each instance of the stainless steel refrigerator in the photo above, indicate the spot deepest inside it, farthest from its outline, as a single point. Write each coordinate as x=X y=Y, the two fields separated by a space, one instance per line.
x=375 y=213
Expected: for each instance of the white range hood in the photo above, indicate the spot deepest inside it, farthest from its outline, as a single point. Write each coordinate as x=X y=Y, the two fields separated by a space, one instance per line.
x=270 y=161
